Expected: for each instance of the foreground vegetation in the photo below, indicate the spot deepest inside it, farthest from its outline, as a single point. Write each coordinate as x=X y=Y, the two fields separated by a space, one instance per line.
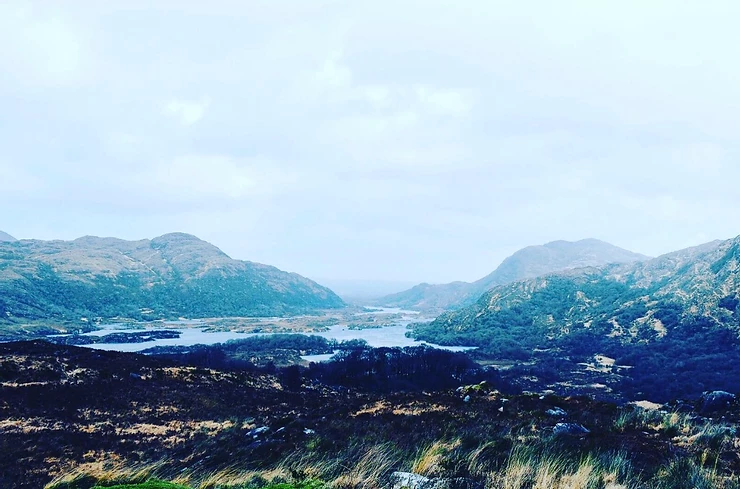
x=517 y=459
x=77 y=418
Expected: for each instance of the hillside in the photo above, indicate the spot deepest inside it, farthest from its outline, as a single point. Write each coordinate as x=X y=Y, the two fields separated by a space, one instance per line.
x=171 y=276
x=6 y=237
x=672 y=323
x=529 y=262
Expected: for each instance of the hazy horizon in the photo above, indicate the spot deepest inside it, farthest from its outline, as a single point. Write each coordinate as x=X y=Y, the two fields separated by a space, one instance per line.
x=397 y=142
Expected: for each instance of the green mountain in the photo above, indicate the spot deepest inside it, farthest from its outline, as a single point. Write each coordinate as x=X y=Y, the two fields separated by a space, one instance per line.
x=170 y=276
x=673 y=321
x=529 y=262
x=6 y=237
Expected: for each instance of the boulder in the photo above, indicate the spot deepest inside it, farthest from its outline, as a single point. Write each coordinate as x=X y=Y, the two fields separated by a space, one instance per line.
x=556 y=412
x=255 y=433
x=570 y=429
x=713 y=401
x=409 y=480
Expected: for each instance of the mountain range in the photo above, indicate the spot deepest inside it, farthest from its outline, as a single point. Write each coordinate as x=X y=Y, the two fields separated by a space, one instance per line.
x=529 y=262
x=167 y=277
x=674 y=319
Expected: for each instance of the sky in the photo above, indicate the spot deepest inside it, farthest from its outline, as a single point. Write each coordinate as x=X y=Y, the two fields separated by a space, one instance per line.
x=398 y=140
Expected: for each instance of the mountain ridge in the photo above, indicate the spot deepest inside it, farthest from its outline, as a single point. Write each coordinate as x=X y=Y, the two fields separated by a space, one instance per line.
x=6 y=237
x=172 y=275
x=528 y=262
x=674 y=319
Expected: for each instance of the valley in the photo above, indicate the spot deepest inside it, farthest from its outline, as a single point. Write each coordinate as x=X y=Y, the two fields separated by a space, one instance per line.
x=622 y=372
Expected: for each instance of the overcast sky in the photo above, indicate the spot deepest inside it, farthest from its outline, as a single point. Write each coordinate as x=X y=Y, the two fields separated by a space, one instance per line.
x=397 y=140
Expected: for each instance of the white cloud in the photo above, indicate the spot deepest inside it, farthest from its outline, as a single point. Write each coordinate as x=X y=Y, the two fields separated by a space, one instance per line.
x=187 y=111
x=333 y=74
x=203 y=177
x=19 y=183
x=378 y=95
x=380 y=137
x=443 y=101
x=39 y=44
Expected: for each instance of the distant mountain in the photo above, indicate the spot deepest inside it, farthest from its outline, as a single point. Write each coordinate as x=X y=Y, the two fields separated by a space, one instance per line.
x=6 y=237
x=363 y=291
x=532 y=261
x=170 y=276
x=675 y=319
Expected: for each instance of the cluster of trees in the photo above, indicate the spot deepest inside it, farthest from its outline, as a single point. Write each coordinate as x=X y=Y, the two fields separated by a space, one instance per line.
x=410 y=368
x=239 y=354
x=355 y=365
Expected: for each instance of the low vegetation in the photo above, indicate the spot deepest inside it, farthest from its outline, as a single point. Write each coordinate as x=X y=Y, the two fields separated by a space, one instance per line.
x=73 y=418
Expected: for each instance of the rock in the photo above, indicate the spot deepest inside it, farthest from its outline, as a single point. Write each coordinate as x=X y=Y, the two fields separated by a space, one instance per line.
x=570 y=429
x=409 y=480
x=255 y=433
x=715 y=401
x=556 y=412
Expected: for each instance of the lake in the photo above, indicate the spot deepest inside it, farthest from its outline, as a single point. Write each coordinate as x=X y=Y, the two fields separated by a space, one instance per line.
x=191 y=334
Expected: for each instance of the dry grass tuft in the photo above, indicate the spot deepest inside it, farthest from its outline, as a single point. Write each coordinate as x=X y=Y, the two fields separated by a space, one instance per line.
x=371 y=469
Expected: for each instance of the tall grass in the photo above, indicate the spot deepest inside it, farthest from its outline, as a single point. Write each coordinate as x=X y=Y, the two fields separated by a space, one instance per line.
x=492 y=464
x=530 y=468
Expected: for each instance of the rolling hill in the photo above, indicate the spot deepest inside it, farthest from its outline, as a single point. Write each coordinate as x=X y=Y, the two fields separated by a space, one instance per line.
x=529 y=262
x=171 y=276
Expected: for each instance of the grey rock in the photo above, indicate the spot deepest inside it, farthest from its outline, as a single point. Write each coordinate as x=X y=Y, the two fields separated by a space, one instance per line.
x=255 y=433
x=713 y=401
x=570 y=429
x=409 y=480
x=556 y=412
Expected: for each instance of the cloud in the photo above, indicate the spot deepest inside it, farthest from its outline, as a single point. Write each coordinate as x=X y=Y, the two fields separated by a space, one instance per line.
x=42 y=45
x=371 y=139
x=188 y=112
x=444 y=102
x=206 y=181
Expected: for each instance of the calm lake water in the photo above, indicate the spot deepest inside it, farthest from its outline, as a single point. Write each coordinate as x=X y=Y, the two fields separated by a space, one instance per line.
x=191 y=334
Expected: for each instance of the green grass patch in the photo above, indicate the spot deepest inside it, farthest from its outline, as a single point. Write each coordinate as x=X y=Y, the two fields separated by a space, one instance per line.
x=145 y=485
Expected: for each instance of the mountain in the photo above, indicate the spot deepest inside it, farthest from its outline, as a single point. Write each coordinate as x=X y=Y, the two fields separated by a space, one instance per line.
x=6 y=237
x=673 y=320
x=363 y=291
x=167 y=277
x=530 y=262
